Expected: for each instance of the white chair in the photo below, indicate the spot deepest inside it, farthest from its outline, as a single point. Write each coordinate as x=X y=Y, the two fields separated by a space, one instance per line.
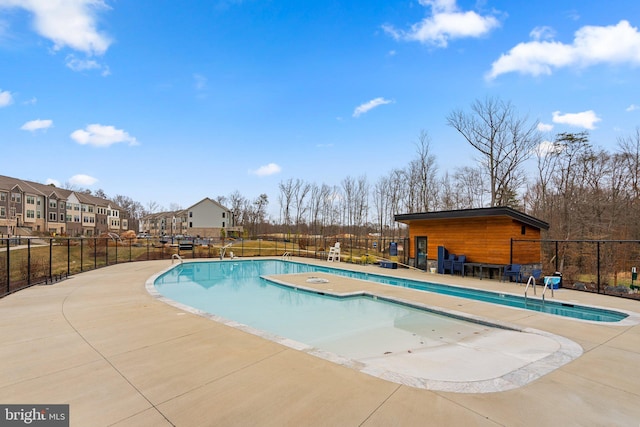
x=334 y=253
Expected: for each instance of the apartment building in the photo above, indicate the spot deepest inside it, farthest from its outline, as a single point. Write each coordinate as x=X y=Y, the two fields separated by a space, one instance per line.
x=29 y=207
x=207 y=218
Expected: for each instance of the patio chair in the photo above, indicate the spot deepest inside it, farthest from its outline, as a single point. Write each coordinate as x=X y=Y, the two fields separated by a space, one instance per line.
x=512 y=271
x=447 y=264
x=458 y=265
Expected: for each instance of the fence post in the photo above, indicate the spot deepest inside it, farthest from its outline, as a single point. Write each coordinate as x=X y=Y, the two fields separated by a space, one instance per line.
x=68 y=255
x=8 y=266
x=28 y=262
x=598 y=264
x=51 y=259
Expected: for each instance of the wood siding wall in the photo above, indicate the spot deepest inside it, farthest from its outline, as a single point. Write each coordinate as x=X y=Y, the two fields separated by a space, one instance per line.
x=486 y=240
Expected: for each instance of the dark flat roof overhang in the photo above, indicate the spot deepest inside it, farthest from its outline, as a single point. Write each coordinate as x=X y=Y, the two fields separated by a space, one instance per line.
x=474 y=213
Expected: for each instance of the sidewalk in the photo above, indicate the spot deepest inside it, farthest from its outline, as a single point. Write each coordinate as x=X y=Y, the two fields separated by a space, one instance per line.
x=99 y=342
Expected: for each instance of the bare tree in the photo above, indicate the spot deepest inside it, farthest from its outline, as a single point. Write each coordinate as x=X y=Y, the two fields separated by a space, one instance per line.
x=422 y=176
x=630 y=150
x=503 y=140
x=285 y=199
x=255 y=214
x=236 y=204
x=153 y=207
x=301 y=192
x=469 y=183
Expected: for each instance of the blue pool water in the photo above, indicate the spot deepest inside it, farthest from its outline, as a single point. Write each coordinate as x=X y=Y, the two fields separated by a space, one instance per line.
x=237 y=275
x=356 y=327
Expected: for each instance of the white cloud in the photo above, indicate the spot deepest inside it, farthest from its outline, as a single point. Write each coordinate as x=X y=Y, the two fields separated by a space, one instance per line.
x=547 y=147
x=585 y=119
x=37 y=124
x=82 y=180
x=266 y=170
x=363 y=108
x=67 y=23
x=446 y=22
x=542 y=33
x=52 y=181
x=102 y=136
x=77 y=64
x=632 y=107
x=544 y=127
x=5 y=98
x=614 y=44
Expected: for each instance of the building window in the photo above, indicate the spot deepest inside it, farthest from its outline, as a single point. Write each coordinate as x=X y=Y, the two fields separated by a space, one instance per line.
x=38 y=214
x=3 y=197
x=16 y=197
x=31 y=200
x=223 y=214
x=3 y=212
x=53 y=216
x=53 y=204
x=31 y=213
x=61 y=205
x=190 y=214
x=222 y=224
x=523 y=230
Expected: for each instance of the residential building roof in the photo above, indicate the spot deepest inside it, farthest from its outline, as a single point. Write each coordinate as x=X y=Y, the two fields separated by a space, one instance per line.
x=475 y=213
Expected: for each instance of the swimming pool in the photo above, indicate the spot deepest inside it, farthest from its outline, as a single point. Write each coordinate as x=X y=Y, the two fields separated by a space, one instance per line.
x=398 y=342
x=564 y=309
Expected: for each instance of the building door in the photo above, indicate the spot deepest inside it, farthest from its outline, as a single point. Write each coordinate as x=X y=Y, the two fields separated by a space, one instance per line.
x=421 y=252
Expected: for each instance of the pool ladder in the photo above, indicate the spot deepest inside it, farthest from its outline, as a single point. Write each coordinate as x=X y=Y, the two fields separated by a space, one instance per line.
x=532 y=280
x=176 y=256
x=286 y=256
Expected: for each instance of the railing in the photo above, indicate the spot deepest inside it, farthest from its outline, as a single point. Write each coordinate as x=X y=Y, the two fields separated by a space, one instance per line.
x=532 y=280
x=547 y=280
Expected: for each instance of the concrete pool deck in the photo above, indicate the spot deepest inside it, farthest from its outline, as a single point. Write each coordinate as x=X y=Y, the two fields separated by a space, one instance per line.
x=101 y=343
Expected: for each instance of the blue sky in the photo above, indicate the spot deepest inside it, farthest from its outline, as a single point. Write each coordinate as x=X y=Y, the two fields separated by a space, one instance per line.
x=172 y=101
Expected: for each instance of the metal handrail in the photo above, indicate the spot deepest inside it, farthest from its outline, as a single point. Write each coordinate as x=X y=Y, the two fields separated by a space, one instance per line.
x=530 y=281
x=286 y=255
x=546 y=285
x=174 y=256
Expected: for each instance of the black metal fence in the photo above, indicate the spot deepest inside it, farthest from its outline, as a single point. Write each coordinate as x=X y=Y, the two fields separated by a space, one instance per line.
x=603 y=266
x=26 y=262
